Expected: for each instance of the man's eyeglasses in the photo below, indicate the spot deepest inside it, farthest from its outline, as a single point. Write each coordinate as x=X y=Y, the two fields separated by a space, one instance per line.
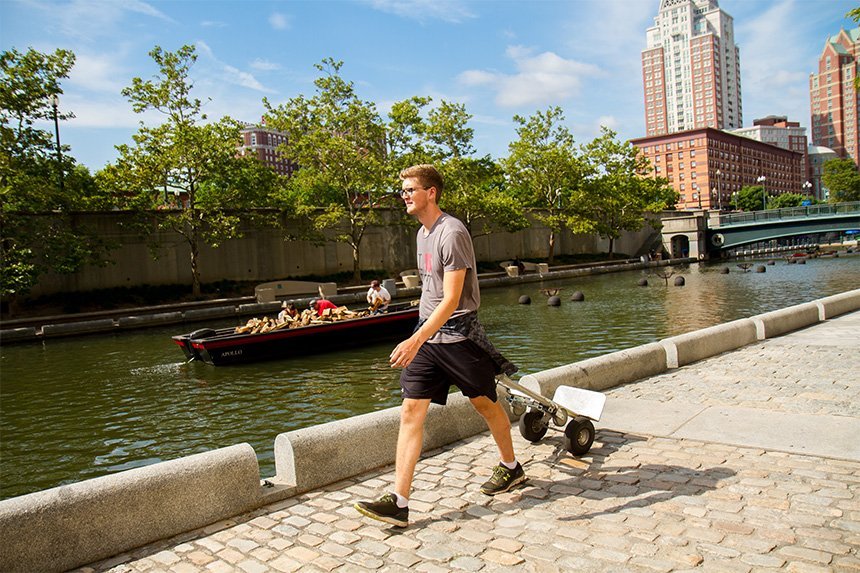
x=409 y=191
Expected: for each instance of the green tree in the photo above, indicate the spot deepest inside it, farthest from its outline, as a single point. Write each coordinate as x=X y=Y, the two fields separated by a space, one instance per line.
x=785 y=200
x=183 y=156
x=544 y=170
x=339 y=142
x=475 y=191
x=749 y=198
x=616 y=192
x=34 y=179
x=841 y=178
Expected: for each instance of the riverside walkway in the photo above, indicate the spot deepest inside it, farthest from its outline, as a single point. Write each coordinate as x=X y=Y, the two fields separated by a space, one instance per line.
x=747 y=461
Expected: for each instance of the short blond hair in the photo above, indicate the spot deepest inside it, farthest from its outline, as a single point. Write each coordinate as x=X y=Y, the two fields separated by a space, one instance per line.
x=427 y=174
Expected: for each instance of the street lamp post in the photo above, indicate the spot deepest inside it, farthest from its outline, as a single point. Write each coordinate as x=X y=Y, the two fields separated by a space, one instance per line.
x=761 y=179
x=806 y=187
x=55 y=103
x=719 y=192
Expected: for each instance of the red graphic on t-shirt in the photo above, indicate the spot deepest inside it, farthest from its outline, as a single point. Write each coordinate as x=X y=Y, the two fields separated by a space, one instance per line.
x=428 y=263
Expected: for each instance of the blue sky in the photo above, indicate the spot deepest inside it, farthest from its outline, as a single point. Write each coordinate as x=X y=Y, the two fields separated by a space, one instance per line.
x=499 y=58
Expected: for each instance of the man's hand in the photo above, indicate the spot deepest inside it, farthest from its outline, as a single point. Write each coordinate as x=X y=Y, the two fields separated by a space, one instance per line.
x=405 y=352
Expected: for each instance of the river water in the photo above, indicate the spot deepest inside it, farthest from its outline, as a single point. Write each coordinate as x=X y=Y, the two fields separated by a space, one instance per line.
x=78 y=408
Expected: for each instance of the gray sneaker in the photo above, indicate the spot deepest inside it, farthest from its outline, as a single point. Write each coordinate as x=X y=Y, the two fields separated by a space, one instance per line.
x=503 y=479
x=385 y=509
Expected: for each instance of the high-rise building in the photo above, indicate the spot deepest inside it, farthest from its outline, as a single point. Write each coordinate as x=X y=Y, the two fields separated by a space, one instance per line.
x=691 y=69
x=832 y=97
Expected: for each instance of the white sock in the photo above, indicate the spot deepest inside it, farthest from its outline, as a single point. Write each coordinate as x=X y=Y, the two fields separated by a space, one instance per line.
x=510 y=465
x=401 y=501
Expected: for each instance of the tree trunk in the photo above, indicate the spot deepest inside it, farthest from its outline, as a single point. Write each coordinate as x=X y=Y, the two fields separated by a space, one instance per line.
x=356 y=265
x=611 y=246
x=195 y=269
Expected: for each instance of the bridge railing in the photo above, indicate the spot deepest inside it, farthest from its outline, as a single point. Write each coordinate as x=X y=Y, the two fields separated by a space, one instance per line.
x=823 y=210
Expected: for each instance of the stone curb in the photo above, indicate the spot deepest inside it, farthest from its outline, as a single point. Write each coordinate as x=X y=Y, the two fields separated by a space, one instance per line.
x=71 y=525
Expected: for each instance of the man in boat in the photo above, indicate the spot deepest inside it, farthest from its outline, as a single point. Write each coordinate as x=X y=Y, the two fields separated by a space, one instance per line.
x=321 y=304
x=378 y=297
x=448 y=347
x=288 y=310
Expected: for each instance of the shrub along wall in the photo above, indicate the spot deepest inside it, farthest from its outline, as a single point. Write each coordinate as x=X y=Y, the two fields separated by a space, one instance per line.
x=266 y=254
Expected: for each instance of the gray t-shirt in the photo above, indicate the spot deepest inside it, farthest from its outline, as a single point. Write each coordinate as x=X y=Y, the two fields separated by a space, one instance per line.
x=446 y=247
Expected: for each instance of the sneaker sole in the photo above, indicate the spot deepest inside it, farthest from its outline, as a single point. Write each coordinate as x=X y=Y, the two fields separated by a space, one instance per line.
x=390 y=520
x=511 y=485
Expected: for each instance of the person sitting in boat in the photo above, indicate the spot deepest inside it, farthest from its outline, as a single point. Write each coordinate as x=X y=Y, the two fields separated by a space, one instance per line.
x=378 y=297
x=321 y=304
x=288 y=310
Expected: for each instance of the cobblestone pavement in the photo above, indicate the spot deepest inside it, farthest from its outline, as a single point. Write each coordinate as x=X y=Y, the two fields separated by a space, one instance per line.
x=636 y=502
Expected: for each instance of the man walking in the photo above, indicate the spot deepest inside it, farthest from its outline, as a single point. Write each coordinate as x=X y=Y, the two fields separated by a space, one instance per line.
x=448 y=347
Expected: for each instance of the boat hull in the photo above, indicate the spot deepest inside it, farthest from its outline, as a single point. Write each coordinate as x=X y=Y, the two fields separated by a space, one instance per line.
x=224 y=347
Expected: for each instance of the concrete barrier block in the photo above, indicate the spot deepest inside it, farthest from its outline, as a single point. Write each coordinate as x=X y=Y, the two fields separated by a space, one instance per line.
x=603 y=372
x=839 y=304
x=697 y=345
x=313 y=457
x=83 y=327
x=208 y=313
x=150 y=319
x=785 y=320
x=17 y=334
x=72 y=525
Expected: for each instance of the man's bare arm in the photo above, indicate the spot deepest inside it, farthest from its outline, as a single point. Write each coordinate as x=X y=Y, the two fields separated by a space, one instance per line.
x=452 y=288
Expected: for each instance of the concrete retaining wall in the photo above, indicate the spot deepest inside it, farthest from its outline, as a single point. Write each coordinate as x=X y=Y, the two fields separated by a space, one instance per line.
x=697 y=345
x=839 y=304
x=602 y=372
x=150 y=319
x=71 y=525
x=85 y=327
x=317 y=456
x=785 y=320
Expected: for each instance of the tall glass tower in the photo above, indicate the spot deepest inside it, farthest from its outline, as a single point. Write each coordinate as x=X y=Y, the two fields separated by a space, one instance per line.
x=691 y=69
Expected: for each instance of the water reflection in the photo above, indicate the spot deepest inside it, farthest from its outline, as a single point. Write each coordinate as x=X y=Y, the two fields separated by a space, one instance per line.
x=72 y=409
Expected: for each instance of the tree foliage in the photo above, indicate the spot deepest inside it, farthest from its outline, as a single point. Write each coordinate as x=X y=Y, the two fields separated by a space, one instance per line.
x=544 y=170
x=475 y=191
x=193 y=162
x=842 y=180
x=339 y=142
x=37 y=177
x=749 y=198
x=616 y=192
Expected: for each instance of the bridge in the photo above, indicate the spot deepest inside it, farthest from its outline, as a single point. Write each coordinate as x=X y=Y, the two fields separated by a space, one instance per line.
x=703 y=233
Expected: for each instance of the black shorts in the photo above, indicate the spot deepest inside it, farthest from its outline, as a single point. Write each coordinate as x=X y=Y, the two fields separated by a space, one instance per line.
x=437 y=366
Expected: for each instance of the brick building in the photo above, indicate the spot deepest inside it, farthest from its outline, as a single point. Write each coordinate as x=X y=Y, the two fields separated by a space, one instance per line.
x=706 y=166
x=777 y=130
x=263 y=142
x=832 y=97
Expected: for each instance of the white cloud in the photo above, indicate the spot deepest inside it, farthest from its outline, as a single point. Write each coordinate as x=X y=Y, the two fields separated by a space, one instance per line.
x=540 y=79
x=279 y=21
x=223 y=72
x=213 y=24
x=99 y=73
x=453 y=11
x=90 y=19
x=265 y=65
x=775 y=67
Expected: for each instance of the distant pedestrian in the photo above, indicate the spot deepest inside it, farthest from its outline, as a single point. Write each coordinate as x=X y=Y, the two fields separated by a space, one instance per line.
x=448 y=347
